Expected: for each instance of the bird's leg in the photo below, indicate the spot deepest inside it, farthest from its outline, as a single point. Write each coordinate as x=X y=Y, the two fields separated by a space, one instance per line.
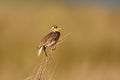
x=44 y=48
x=54 y=47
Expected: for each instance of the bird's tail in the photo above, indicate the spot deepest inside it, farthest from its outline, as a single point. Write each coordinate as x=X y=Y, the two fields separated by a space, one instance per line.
x=40 y=50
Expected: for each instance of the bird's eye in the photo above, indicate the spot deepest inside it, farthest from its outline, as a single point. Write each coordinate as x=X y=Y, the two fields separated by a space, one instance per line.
x=55 y=27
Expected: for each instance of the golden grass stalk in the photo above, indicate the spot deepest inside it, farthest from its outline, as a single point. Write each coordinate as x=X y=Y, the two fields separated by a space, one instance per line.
x=44 y=63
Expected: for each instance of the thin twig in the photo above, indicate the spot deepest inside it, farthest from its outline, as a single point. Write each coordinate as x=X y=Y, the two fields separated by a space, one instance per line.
x=29 y=78
x=43 y=66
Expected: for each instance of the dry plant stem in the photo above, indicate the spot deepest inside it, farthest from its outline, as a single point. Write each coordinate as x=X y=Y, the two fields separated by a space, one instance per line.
x=29 y=78
x=42 y=67
x=39 y=71
x=45 y=61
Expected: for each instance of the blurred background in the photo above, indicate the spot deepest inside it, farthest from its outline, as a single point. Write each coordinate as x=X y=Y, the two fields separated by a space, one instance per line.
x=90 y=52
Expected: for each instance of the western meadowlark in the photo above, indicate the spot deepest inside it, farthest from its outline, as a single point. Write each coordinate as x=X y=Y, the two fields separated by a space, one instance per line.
x=49 y=40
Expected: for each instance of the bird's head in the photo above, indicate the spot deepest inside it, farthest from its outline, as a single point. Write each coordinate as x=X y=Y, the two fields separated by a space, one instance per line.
x=55 y=28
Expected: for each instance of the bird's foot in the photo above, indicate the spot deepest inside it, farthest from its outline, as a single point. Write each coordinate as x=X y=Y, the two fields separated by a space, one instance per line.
x=53 y=48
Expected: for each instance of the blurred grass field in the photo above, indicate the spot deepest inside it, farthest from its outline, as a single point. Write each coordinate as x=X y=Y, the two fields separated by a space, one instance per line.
x=91 y=52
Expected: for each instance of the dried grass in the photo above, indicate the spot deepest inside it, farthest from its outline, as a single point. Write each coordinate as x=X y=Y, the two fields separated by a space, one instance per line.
x=45 y=61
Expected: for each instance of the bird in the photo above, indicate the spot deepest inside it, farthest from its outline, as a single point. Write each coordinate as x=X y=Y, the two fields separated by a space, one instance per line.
x=49 y=40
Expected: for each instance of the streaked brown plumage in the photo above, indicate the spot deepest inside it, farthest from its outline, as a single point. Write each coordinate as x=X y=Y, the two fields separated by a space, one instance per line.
x=49 y=40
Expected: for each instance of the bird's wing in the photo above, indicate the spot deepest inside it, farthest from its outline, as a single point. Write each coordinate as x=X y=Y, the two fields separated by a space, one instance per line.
x=52 y=36
x=44 y=41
